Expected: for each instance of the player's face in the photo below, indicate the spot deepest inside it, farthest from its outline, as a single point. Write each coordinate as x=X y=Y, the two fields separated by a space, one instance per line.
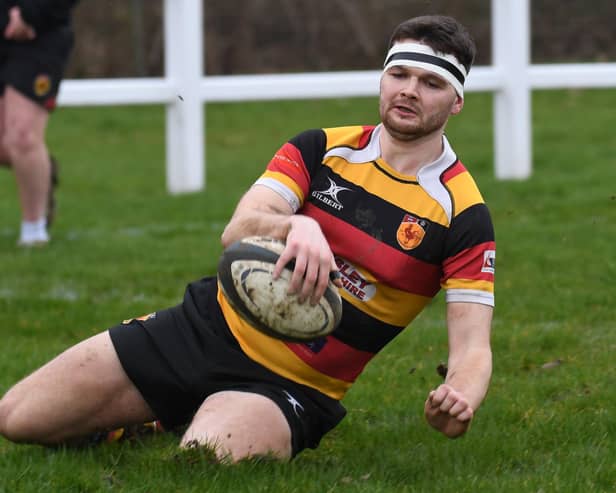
x=415 y=102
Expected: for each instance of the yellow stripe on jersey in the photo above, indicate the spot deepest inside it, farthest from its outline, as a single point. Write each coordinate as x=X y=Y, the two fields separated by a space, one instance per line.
x=276 y=356
x=453 y=283
x=344 y=136
x=367 y=176
x=465 y=191
x=287 y=181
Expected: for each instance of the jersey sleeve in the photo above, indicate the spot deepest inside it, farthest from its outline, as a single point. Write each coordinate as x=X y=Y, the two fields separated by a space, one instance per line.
x=290 y=171
x=470 y=252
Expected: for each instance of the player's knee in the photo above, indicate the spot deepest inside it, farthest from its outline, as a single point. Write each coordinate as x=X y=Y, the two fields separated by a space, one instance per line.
x=214 y=450
x=229 y=450
x=12 y=424
x=224 y=425
x=19 y=140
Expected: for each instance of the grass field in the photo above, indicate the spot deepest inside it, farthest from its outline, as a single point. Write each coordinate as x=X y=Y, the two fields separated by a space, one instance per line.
x=122 y=246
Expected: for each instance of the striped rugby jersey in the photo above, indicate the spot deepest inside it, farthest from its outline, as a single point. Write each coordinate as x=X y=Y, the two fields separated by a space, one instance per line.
x=397 y=241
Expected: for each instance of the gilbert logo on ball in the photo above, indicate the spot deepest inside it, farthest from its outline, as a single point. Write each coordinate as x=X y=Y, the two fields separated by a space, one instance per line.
x=245 y=276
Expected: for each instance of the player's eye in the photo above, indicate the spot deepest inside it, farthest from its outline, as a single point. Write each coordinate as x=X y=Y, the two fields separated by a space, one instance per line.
x=397 y=74
x=434 y=83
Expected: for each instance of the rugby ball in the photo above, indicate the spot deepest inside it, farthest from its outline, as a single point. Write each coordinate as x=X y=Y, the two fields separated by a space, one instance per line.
x=245 y=276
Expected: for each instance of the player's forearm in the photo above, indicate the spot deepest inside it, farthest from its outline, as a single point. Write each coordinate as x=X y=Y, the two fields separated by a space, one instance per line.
x=470 y=375
x=257 y=222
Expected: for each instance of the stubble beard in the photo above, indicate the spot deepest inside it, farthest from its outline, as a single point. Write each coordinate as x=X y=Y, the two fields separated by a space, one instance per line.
x=412 y=130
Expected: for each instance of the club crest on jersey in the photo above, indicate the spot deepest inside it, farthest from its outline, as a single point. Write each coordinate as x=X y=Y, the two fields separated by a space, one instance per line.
x=489 y=261
x=353 y=282
x=330 y=196
x=411 y=232
x=42 y=85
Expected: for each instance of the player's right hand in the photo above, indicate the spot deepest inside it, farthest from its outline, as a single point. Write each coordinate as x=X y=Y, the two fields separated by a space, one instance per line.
x=314 y=260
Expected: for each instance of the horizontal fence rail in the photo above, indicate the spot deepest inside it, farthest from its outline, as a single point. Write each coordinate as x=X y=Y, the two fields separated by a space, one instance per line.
x=185 y=89
x=234 y=88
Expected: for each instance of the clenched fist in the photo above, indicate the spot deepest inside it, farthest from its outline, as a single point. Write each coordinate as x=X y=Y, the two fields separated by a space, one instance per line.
x=448 y=411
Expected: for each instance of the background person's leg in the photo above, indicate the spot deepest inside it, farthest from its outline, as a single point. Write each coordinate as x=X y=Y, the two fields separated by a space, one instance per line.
x=4 y=156
x=24 y=142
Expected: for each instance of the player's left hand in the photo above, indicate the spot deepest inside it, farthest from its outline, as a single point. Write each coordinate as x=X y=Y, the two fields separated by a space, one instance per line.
x=448 y=411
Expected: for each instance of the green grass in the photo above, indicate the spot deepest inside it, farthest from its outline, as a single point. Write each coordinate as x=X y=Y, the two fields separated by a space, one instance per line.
x=122 y=246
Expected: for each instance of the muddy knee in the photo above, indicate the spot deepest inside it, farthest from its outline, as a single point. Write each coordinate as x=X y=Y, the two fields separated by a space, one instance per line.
x=240 y=425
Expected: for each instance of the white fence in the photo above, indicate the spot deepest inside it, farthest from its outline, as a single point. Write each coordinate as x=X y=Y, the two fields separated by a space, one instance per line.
x=184 y=89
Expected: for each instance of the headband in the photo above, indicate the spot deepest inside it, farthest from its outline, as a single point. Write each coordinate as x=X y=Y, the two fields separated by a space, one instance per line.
x=424 y=57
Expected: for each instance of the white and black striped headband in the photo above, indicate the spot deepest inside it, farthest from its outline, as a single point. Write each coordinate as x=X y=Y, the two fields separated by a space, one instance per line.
x=424 y=57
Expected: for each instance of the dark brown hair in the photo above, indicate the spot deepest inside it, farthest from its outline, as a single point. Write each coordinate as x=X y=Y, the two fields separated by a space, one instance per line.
x=441 y=33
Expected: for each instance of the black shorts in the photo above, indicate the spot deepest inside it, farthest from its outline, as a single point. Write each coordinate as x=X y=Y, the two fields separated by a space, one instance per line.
x=179 y=356
x=35 y=68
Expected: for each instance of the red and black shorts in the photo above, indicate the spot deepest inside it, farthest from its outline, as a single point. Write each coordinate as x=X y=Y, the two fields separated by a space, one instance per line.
x=179 y=356
x=35 y=68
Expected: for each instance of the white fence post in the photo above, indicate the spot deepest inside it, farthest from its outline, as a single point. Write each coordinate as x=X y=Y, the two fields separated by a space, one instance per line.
x=512 y=100
x=185 y=115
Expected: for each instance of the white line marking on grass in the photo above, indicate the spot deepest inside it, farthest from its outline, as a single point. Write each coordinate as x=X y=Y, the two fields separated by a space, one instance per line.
x=145 y=230
x=76 y=234
x=71 y=294
x=62 y=293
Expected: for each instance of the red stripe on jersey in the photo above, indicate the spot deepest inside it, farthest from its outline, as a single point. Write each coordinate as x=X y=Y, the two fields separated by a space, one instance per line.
x=361 y=249
x=335 y=359
x=453 y=171
x=365 y=137
x=468 y=264
x=289 y=161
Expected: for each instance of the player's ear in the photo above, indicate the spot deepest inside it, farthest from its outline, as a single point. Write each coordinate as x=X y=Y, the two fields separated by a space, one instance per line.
x=457 y=105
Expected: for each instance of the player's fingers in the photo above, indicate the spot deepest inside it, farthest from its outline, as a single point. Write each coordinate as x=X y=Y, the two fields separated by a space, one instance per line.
x=336 y=278
x=322 y=280
x=447 y=403
x=11 y=28
x=458 y=407
x=465 y=415
x=440 y=394
x=290 y=255
x=430 y=400
x=310 y=281
x=431 y=405
x=334 y=273
x=285 y=257
x=297 y=278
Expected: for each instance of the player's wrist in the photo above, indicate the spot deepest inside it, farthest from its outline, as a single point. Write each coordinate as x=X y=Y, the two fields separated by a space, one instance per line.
x=301 y=222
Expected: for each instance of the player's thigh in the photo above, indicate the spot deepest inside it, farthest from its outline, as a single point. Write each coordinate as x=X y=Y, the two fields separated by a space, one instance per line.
x=240 y=425
x=92 y=369
x=83 y=389
x=23 y=117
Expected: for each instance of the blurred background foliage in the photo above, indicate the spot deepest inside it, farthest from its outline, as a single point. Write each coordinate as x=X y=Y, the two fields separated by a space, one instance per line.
x=125 y=38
